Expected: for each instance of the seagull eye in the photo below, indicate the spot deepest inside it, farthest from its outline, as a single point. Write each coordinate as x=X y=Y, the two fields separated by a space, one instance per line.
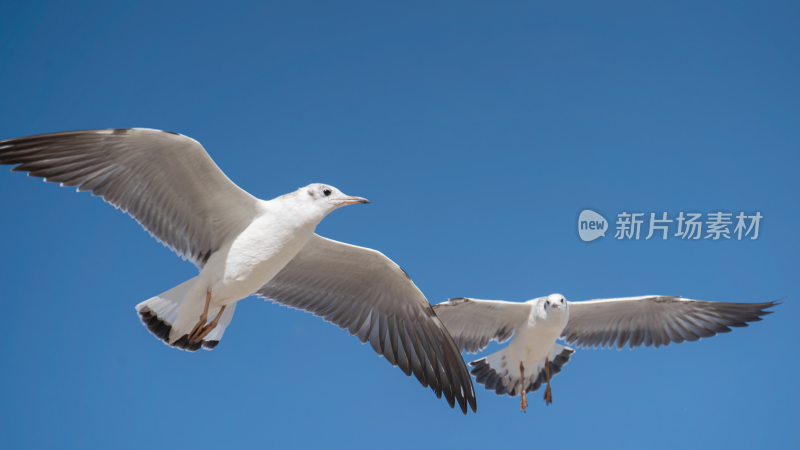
x=327 y=192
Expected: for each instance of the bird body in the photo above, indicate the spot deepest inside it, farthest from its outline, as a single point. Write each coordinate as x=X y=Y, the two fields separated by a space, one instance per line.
x=278 y=231
x=533 y=356
x=535 y=338
x=244 y=246
x=535 y=325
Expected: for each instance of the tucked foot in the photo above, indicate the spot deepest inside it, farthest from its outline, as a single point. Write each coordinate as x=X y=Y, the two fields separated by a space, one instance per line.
x=204 y=332
x=198 y=329
x=208 y=328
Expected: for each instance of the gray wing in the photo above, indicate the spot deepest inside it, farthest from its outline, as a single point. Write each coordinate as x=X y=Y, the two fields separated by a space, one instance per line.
x=654 y=320
x=364 y=292
x=166 y=181
x=473 y=323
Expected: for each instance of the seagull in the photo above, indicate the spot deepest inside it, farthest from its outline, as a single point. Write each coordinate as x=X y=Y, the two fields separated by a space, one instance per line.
x=243 y=246
x=533 y=357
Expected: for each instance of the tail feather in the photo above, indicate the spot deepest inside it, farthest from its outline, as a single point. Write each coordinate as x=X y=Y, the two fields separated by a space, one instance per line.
x=499 y=374
x=160 y=313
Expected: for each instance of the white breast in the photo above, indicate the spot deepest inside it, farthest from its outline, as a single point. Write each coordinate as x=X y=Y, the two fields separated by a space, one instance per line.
x=536 y=339
x=245 y=265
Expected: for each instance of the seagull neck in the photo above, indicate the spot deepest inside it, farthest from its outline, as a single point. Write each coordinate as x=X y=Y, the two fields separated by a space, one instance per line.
x=298 y=214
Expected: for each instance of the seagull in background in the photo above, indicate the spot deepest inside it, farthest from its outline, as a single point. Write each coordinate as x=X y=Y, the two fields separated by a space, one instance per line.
x=533 y=357
x=243 y=246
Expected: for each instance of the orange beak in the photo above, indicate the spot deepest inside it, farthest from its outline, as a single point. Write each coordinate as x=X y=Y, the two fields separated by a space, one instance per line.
x=354 y=200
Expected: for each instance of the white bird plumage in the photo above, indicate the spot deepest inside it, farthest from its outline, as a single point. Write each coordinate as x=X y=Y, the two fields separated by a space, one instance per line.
x=536 y=325
x=244 y=246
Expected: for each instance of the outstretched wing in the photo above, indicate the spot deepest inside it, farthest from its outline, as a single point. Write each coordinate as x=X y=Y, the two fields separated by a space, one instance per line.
x=656 y=320
x=166 y=181
x=473 y=323
x=364 y=292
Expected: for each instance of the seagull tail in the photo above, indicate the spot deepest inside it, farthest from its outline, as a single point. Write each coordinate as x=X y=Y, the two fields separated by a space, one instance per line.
x=160 y=313
x=499 y=373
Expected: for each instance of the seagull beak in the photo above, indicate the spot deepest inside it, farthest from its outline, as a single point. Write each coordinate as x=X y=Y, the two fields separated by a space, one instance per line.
x=354 y=200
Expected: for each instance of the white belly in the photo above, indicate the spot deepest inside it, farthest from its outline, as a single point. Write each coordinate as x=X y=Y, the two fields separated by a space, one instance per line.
x=252 y=259
x=534 y=344
x=536 y=340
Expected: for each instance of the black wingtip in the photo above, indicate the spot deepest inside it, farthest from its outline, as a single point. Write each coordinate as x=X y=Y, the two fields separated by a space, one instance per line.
x=763 y=308
x=436 y=391
x=780 y=301
x=451 y=400
x=473 y=402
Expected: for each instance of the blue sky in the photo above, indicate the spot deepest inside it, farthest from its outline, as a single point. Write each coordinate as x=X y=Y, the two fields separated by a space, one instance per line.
x=479 y=131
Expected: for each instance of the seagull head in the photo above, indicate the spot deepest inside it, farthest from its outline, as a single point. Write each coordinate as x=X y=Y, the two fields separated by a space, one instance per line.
x=327 y=198
x=555 y=302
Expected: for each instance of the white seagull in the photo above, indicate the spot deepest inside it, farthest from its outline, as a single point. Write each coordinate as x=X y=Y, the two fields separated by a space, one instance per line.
x=244 y=246
x=533 y=356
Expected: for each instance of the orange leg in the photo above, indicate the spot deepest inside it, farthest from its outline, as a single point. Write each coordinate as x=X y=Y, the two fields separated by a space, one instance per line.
x=523 y=402
x=548 y=394
x=203 y=318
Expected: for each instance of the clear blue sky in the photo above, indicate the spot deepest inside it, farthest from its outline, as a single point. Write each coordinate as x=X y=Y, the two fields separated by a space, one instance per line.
x=479 y=130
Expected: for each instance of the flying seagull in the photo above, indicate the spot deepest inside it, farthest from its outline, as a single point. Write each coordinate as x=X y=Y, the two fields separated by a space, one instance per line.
x=244 y=246
x=533 y=357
